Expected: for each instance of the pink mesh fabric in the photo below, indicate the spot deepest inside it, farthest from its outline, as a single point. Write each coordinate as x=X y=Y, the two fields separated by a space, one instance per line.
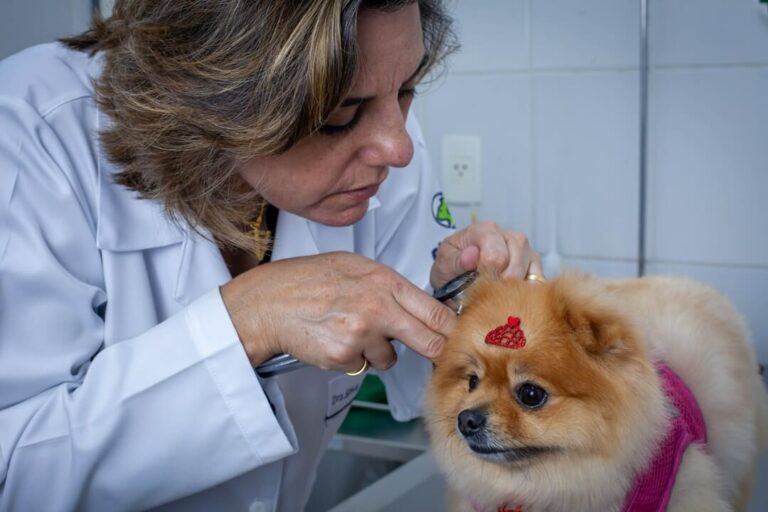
x=653 y=487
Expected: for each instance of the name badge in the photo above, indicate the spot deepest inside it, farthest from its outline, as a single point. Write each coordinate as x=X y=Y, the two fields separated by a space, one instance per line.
x=341 y=392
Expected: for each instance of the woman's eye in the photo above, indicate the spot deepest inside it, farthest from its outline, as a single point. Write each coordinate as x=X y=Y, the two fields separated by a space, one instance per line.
x=531 y=396
x=332 y=129
x=340 y=129
x=473 y=381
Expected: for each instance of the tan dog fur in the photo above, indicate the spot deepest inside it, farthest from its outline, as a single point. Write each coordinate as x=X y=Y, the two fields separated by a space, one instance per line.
x=591 y=344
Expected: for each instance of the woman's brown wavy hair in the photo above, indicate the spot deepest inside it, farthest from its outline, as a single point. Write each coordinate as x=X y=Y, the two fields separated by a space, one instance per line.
x=196 y=87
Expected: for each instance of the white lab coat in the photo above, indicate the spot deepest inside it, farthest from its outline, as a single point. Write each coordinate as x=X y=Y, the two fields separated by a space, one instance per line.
x=123 y=384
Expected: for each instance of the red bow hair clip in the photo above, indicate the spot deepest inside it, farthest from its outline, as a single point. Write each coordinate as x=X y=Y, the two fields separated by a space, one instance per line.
x=509 y=335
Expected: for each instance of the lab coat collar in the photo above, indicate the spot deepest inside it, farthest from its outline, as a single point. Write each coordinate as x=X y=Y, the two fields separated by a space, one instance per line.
x=126 y=222
x=297 y=236
x=328 y=238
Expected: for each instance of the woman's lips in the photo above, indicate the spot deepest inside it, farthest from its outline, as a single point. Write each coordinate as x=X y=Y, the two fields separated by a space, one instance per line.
x=362 y=194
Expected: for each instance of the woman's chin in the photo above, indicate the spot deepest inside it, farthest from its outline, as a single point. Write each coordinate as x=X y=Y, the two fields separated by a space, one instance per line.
x=342 y=217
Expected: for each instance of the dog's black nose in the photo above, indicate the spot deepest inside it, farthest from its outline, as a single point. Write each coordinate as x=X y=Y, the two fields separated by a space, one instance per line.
x=471 y=421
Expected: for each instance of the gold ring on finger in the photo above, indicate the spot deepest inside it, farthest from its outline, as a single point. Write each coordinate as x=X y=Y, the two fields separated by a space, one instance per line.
x=361 y=370
x=535 y=277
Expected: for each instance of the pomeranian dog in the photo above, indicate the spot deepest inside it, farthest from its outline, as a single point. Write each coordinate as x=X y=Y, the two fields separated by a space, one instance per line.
x=585 y=395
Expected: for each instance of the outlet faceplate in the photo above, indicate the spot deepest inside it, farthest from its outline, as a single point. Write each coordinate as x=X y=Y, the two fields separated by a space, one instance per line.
x=462 y=169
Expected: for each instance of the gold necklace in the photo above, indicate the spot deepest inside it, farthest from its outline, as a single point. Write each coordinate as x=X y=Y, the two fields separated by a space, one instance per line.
x=259 y=232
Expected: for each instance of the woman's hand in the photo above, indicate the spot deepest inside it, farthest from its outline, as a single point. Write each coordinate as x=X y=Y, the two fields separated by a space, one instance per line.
x=484 y=246
x=333 y=309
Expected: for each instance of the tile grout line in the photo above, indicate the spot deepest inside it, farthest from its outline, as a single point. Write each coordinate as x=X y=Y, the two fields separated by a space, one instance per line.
x=536 y=234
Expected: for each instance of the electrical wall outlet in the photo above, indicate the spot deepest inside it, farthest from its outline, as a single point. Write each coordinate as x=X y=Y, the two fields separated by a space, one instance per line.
x=462 y=169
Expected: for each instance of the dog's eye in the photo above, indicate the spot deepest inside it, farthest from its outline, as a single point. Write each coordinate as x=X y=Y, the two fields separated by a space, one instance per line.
x=473 y=381
x=531 y=396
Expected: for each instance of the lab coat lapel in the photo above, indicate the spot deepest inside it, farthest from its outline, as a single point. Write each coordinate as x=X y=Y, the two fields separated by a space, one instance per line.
x=293 y=237
x=201 y=267
x=328 y=239
x=125 y=222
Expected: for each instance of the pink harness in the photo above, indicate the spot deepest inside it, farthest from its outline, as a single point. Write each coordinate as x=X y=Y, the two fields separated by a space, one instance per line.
x=653 y=487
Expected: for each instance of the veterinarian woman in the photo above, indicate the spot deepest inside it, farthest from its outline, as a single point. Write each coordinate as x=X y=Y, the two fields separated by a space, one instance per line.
x=143 y=166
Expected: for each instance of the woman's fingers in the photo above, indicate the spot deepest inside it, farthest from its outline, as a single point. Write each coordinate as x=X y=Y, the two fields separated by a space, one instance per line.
x=536 y=267
x=521 y=254
x=333 y=310
x=380 y=355
x=488 y=248
x=469 y=258
x=421 y=322
x=495 y=253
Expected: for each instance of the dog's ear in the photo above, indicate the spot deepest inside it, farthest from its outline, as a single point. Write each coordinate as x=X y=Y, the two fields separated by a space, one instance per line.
x=601 y=331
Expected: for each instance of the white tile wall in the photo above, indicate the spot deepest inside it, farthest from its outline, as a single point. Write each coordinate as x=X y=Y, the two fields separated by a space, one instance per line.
x=493 y=35
x=106 y=7
x=696 y=32
x=586 y=160
x=709 y=166
x=496 y=107
x=760 y=487
x=25 y=23
x=584 y=33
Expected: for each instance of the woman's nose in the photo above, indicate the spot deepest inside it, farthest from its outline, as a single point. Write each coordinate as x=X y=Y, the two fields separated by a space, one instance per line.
x=388 y=143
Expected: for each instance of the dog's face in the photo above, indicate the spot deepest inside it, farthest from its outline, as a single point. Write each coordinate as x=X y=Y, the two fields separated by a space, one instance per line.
x=561 y=394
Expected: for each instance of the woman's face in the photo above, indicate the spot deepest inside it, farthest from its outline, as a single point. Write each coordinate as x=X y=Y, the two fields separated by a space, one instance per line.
x=328 y=177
